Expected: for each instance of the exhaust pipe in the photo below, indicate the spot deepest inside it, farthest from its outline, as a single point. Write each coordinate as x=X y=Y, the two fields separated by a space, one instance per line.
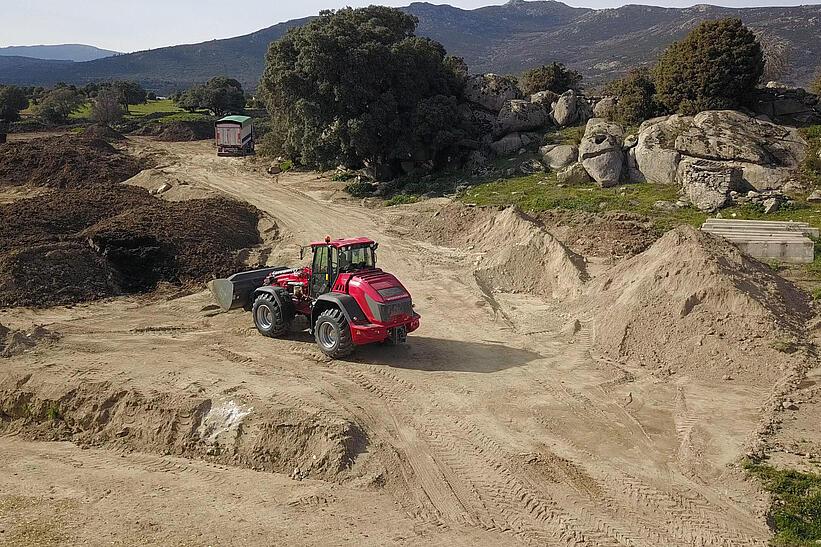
x=235 y=291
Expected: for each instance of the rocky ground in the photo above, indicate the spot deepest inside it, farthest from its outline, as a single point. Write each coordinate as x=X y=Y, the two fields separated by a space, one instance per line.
x=551 y=396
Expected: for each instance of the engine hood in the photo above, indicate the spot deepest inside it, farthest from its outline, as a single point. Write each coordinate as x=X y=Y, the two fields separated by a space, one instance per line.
x=380 y=286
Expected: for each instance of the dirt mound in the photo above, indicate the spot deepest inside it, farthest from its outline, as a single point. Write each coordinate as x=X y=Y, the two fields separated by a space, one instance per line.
x=102 y=132
x=178 y=131
x=607 y=235
x=516 y=253
x=443 y=222
x=262 y=435
x=520 y=256
x=77 y=245
x=694 y=303
x=66 y=161
x=55 y=274
x=179 y=241
x=15 y=342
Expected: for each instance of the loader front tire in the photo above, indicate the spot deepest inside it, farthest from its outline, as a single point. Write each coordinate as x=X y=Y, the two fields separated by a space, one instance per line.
x=268 y=316
x=333 y=334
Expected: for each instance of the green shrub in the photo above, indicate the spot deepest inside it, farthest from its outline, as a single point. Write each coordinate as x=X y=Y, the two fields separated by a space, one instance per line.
x=360 y=189
x=554 y=77
x=636 y=97
x=711 y=68
x=355 y=86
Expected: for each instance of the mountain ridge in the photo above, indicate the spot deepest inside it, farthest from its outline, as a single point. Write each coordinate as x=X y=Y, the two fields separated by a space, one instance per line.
x=58 y=52
x=509 y=38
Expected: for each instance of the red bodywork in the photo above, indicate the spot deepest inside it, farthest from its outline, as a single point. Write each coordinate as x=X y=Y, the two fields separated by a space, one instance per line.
x=371 y=288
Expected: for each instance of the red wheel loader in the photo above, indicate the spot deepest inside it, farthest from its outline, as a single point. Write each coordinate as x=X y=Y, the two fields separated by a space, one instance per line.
x=347 y=300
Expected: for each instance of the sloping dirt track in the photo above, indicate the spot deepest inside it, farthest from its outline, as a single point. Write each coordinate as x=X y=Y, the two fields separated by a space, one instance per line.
x=497 y=424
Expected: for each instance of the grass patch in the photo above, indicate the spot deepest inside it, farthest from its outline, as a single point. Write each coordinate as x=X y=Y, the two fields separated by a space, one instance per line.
x=153 y=107
x=568 y=135
x=541 y=192
x=401 y=199
x=82 y=113
x=183 y=117
x=784 y=346
x=795 y=514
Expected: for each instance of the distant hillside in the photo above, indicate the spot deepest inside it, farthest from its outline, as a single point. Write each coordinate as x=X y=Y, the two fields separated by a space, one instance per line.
x=62 y=52
x=506 y=39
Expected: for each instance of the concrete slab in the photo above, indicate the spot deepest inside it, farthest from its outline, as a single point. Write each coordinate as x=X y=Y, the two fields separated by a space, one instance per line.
x=767 y=240
x=768 y=225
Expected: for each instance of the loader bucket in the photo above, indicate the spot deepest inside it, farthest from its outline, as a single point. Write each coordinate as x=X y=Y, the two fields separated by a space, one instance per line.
x=236 y=291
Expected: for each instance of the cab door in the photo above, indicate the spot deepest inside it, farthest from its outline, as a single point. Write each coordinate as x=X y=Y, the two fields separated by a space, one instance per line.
x=321 y=271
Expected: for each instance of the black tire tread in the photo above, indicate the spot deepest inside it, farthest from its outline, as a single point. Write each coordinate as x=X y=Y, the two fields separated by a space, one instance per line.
x=280 y=325
x=345 y=346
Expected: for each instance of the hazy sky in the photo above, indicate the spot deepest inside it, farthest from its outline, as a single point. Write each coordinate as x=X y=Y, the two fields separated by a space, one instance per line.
x=131 y=25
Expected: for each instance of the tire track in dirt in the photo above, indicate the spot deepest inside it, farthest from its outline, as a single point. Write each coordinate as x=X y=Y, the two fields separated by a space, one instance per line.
x=514 y=505
x=692 y=518
x=703 y=525
x=695 y=519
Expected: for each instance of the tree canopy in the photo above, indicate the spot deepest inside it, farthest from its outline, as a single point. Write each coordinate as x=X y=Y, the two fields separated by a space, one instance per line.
x=12 y=101
x=554 y=77
x=711 y=68
x=220 y=95
x=636 y=97
x=59 y=104
x=356 y=86
x=130 y=92
x=107 y=106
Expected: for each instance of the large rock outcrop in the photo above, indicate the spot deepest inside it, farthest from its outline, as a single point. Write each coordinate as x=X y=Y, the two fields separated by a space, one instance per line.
x=601 y=153
x=655 y=153
x=605 y=107
x=571 y=108
x=521 y=115
x=707 y=184
x=512 y=143
x=760 y=155
x=559 y=156
x=785 y=106
x=491 y=91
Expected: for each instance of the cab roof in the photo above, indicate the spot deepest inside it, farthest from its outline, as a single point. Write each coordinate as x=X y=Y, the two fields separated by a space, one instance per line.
x=338 y=243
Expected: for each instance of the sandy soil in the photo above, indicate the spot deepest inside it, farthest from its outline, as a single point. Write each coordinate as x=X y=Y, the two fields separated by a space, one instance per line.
x=494 y=425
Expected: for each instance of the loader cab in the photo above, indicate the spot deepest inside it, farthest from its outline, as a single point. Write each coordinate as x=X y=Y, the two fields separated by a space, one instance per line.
x=340 y=256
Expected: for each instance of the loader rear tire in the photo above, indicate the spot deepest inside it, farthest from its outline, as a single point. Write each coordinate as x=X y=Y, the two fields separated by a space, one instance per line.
x=268 y=316
x=333 y=334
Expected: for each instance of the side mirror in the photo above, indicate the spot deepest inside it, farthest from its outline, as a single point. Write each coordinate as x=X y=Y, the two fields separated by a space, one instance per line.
x=375 y=246
x=301 y=253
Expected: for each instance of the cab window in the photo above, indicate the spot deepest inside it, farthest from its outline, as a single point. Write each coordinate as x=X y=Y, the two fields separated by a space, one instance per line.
x=320 y=274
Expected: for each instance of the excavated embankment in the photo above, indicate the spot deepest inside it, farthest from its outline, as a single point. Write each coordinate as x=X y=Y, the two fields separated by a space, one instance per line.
x=261 y=435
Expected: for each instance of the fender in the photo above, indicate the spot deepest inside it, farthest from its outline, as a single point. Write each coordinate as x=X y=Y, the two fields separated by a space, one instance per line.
x=282 y=298
x=345 y=302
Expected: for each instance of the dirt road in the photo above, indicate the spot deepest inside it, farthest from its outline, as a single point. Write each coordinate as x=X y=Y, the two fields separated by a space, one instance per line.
x=493 y=425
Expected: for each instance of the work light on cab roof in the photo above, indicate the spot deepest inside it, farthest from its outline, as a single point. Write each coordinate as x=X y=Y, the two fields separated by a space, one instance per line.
x=347 y=300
